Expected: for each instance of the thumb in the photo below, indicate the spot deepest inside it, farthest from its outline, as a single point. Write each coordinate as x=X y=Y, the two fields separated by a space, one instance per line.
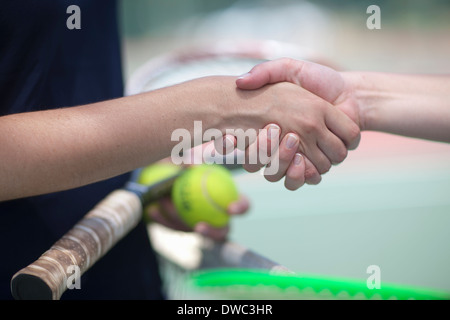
x=320 y=80
x=270 y=72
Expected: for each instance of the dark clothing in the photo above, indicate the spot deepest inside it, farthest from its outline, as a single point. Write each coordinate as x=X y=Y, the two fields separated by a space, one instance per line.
x=45 y=65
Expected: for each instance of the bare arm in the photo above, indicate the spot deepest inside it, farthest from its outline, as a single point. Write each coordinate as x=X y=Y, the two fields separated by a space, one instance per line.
x=411 y=105
x=53 y=150
x=48 y=151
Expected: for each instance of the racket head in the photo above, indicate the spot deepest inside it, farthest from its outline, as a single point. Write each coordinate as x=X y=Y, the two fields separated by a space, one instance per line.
x=261 y=284
x=226 y=57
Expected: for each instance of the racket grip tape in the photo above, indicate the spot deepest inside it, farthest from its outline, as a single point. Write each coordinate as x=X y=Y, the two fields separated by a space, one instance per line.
x=108 y=222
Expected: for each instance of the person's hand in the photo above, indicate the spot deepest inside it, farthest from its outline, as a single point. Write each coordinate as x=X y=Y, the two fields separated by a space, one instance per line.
x=326 y=83
x=165 y=213
x=320 y=80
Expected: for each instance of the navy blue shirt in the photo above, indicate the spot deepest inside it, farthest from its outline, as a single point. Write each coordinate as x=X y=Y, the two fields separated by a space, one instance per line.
x=44 y=65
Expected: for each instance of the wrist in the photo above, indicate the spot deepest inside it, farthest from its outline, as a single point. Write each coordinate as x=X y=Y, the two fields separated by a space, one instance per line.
x=223 y=91
x=206 y=100
x=364 y=96
x=409 y=105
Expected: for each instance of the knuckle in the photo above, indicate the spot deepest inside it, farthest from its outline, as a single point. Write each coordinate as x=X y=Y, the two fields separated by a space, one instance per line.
x=287 y=62
x=324 y=167
x=341 y=155
x=311 y=175
x=354 y=134
x=310 y=126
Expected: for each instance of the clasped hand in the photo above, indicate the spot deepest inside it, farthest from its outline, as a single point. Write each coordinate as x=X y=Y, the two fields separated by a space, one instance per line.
x=330 y=123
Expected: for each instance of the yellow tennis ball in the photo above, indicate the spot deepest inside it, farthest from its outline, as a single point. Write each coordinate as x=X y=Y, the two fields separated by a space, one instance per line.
x=203 y=193
x=157 y=172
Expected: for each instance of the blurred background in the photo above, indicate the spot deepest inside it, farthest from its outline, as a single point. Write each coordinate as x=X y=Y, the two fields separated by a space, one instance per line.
x=388 y=204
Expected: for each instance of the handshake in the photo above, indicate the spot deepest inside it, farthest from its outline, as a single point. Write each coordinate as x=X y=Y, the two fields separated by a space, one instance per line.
x=312 y=120
x=314 y=114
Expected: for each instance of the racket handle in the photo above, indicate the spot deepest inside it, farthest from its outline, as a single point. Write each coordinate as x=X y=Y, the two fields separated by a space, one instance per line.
x=108 y=222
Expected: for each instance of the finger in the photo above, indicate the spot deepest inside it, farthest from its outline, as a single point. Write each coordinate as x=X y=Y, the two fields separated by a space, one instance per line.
x=333 y=148
x=280 y=162
x=317 y=158
x=218 y=234
x=312 y=176
x=259 y=152
x=295 y=174
x=321 y=80
x=157 y=216
x=170 y=214
x=274 y=71
x=239 y=207
x=226 y=145
x=343 y=127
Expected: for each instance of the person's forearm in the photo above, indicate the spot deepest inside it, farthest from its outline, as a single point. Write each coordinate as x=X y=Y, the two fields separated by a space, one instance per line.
x=411 y=105
x=47 y=151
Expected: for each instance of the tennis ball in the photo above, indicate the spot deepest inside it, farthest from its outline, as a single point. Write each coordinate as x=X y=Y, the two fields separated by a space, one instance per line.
x=157 y=172
x=203 y=193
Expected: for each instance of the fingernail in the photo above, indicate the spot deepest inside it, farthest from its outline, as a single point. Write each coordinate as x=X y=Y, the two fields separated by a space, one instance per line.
x=298 y=159
x=273 y=131
x=291 y=141
x=245 y=75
